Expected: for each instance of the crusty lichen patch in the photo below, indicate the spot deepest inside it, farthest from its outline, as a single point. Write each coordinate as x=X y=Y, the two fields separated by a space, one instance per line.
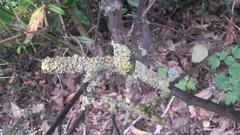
x=121 y=58
x=63 y=64
x=119 y=63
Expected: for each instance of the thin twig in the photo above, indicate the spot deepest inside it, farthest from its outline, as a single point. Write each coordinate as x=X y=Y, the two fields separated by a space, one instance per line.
x=135 y=121
x=59 y=119
x=168 y=106
x=97 y=25
x=10 y=38
x=115 y=124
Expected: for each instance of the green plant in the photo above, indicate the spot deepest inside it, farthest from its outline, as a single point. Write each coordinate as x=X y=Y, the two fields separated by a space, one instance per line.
x=224 y=2
x=187 y=83
x=230 y=81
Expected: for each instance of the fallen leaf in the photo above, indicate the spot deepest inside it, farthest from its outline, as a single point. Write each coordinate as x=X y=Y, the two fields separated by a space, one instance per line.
x=68 y=98
x=230 y=32
x=17 y=111
x=206 y=123
x=206 y=93
x=192 y=111
x=146 y=98
x=199 y=53
x=136 y=131
x=44 y=127
x=38 y=108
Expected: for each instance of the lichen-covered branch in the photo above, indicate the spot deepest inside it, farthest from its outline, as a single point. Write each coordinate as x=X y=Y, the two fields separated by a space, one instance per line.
x=119 y=63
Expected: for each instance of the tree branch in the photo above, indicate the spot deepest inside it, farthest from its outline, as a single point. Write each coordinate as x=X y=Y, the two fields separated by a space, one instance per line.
x=115 y=20
x=60 y=117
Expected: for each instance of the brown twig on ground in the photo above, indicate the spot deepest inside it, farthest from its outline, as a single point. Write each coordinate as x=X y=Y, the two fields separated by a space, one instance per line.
x=115 y=125
x=221 y=110
x=76 y=122
x=59 y=119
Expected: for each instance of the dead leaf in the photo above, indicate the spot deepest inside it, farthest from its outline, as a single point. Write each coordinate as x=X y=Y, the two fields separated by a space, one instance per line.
x=44 y=127
x=68 y=98
x=206 y=123
x=17 y=111
x=206 y=93
x=38 y=108
x=192 y=111
x=199 y=53
x=230 y=32
x=146 y=98
x=136 y=131
x=36 y=21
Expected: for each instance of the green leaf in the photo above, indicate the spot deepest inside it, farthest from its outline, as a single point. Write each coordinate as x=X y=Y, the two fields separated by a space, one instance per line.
x=214 y=62
x=2 y=81
x=231 y=97
x=56 y=9
x=191 y=85
x=236 y=52
x=3 y=62
x=234 y=69
x=181 y=85
x=69 y=2
x=222 y=55
x=81 y=16
x=85 y=40
x=222 y=82
x=163 y=72
x=19 y=49
x=186 y=78
x=124 y=10
x=230 y=60
x=133 y=3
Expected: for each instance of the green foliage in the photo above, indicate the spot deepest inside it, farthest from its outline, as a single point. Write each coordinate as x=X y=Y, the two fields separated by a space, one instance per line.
x=85 y=40
x=224 y=2
x=163 y=72
x=187 y=83
x=236 y=52
x=229 y=82
x=133 y=3
x=3 y=62
x=222 y=55
x=214 y=62
x=56 y=9
x=81 y=16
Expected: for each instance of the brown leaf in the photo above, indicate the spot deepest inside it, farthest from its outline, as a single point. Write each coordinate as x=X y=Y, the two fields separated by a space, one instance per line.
x=136 y=131
x=68 y=98
x=38 y=108
x=44 y=127
x=146 y=98
x=17 y=111
x=206 y=93
x=230 y=32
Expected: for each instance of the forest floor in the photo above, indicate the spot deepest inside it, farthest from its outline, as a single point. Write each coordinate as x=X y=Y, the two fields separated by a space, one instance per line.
x=30 y=99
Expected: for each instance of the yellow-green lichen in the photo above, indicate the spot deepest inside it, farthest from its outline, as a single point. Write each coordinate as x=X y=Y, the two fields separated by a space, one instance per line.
x=121 y=58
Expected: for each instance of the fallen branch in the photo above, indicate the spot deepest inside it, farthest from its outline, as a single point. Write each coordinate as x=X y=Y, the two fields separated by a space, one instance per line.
x=60 y=117
x=221 y=110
